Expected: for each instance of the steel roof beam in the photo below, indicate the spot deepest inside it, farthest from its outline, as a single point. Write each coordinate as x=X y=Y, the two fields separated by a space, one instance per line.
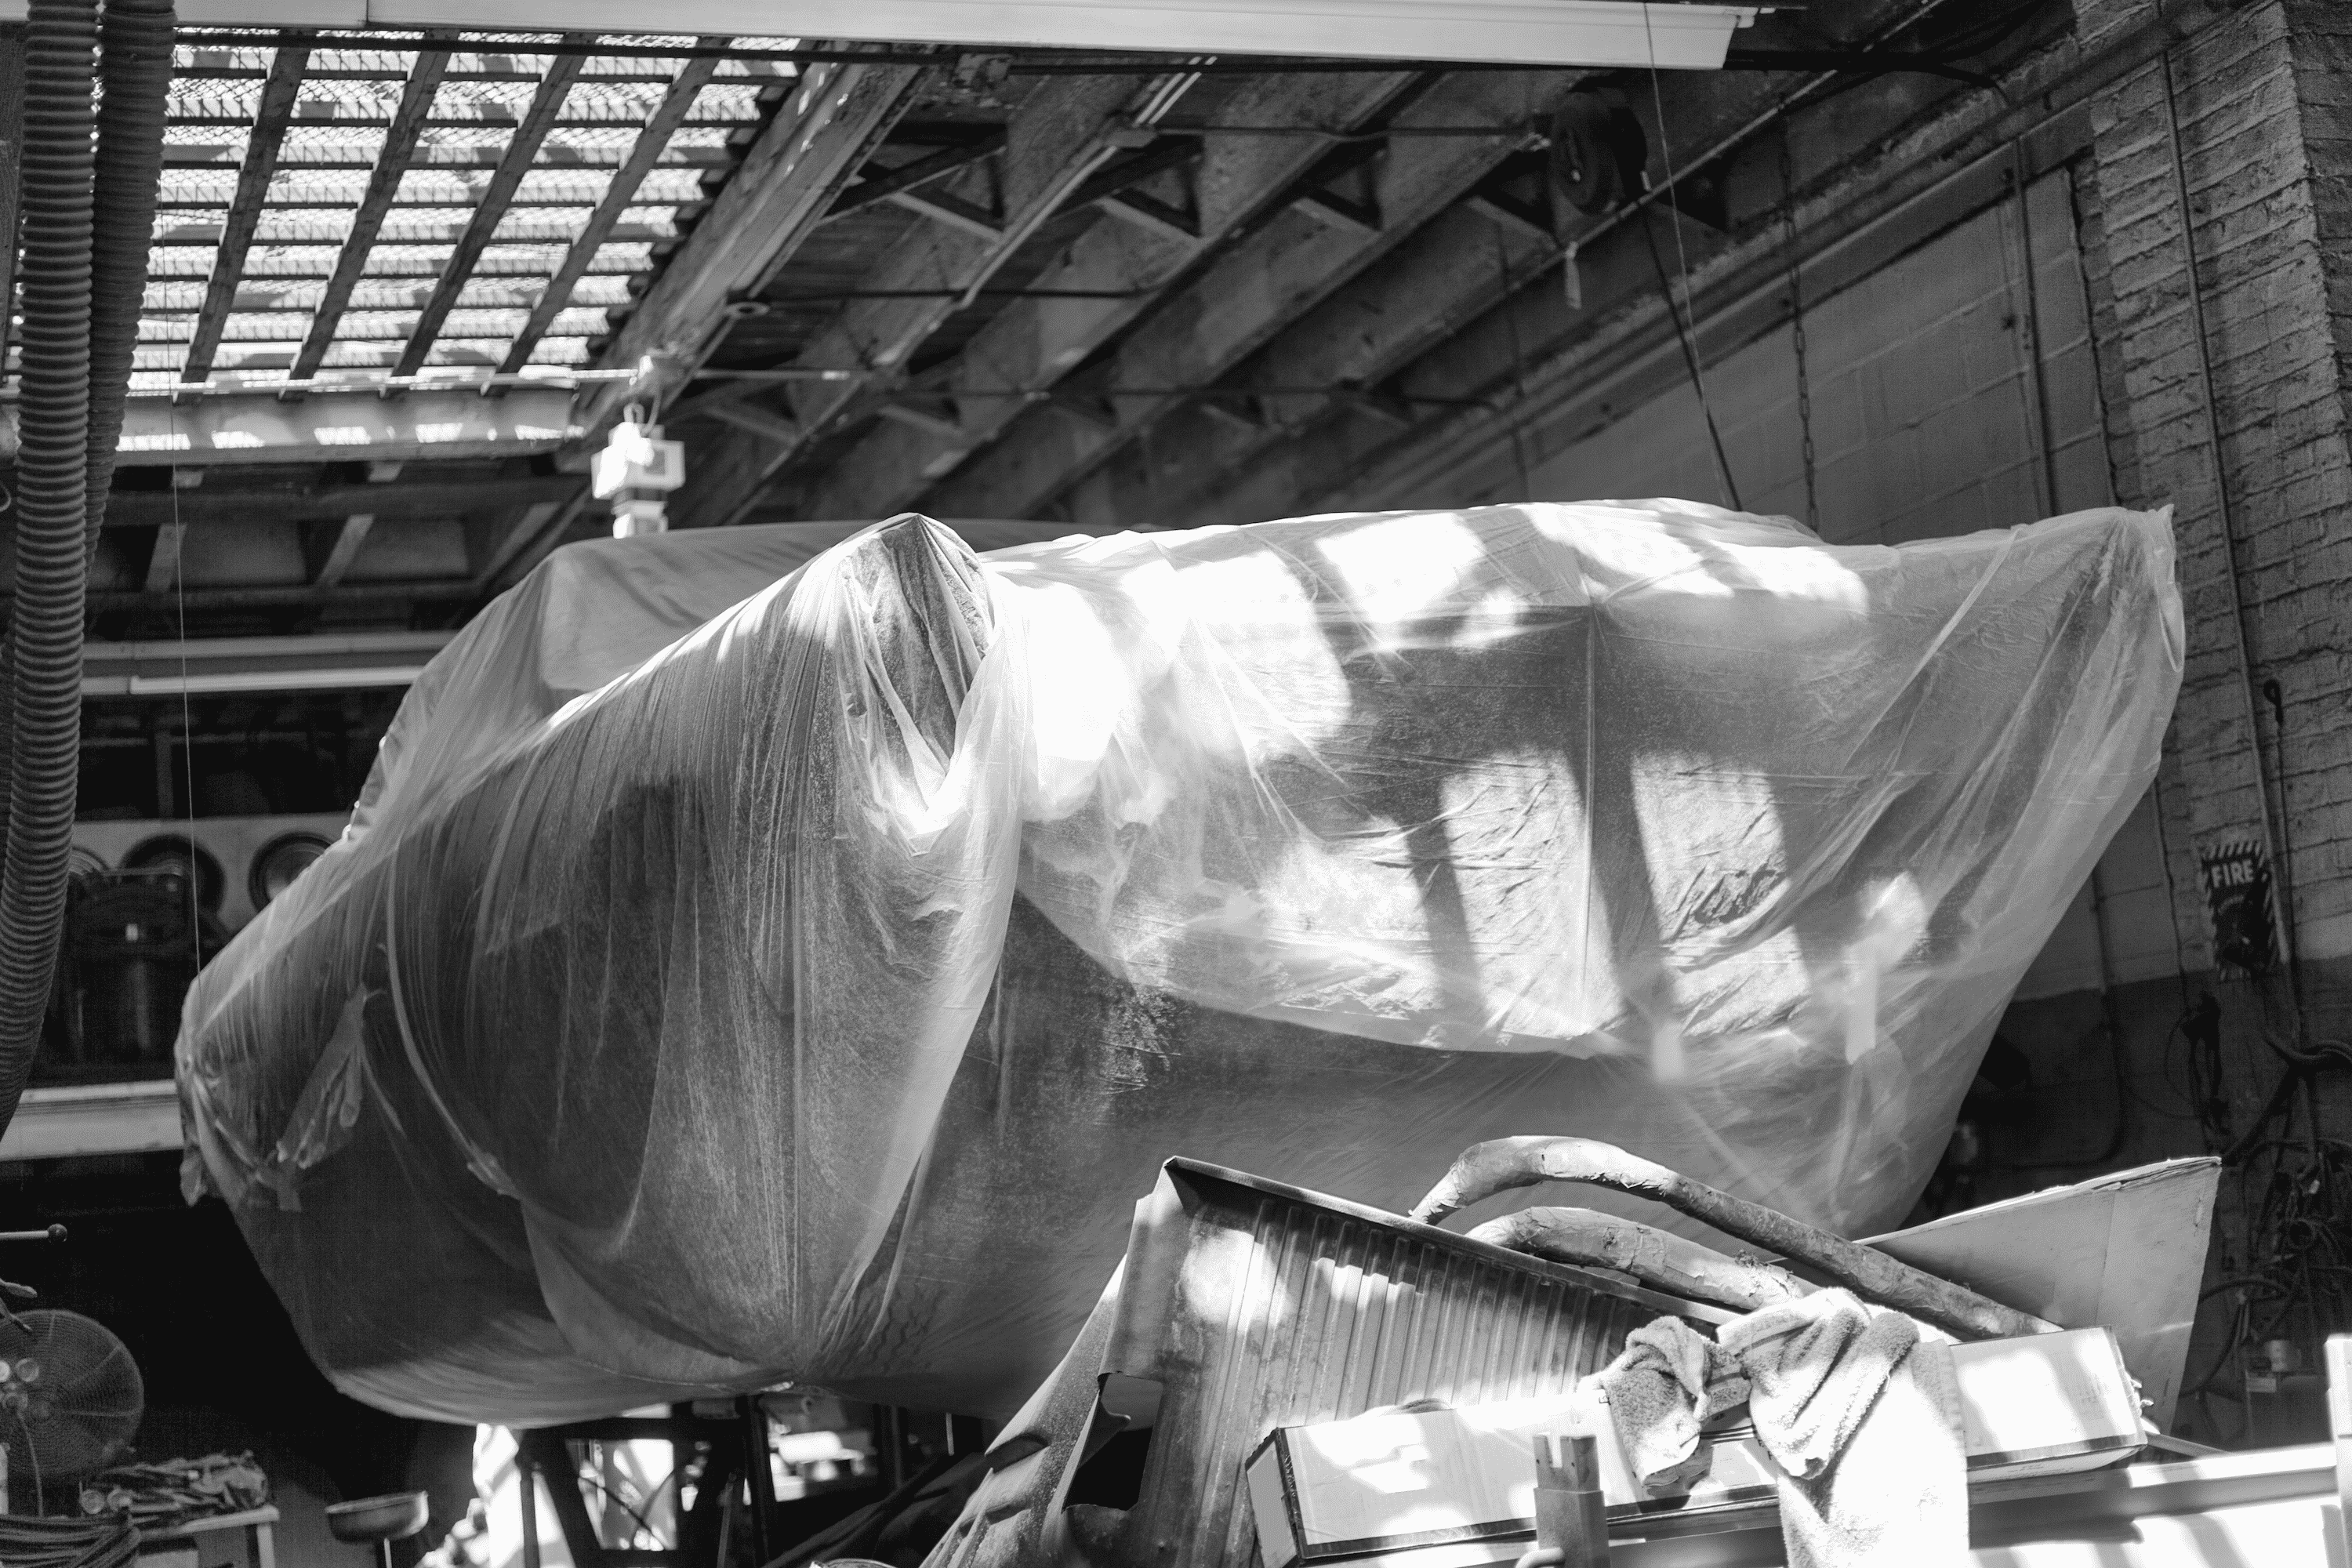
x=491 y=209
x=253 y=177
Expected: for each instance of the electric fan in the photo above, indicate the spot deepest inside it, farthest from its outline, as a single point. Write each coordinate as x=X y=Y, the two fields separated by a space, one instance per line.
x=70 y=1396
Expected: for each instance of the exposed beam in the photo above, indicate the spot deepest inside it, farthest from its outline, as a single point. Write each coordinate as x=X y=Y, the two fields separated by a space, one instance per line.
x=215 y=601
x=797 y=166
x=222 y=507
x=644 y=153
x=384 y=184
x=1065 y=131
x=1032 y=343
x=346 y=426
x=757 y=420
x=1234 y=305
x=886 y=184
x=491 y=208
x=344 y=549
x=163 y=560
x=947 y=207
x=1439 y=280
x=531 y=540
x=1530 y=375
x=278 y=92
x=509 y=538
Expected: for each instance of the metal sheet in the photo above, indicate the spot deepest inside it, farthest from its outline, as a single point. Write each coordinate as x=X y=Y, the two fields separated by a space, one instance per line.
x=1253 y=1305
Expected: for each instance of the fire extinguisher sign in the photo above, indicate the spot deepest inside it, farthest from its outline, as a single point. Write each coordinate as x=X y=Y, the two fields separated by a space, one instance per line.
x=2237 y=877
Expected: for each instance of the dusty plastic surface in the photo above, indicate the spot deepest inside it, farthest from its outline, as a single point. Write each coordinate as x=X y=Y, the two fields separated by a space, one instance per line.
x=810 y=997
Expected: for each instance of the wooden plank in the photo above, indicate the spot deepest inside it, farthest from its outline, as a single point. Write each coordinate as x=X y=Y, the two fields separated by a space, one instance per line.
x=1238 y=302
x=384 y=184
x=812 y=148
x=349 y=535
x=644 y=153
x=491 y=208
x=1063 y=134
x=278 y=92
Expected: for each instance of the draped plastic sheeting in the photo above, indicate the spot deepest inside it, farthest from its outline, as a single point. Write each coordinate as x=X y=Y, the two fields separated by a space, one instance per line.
x=732 y=976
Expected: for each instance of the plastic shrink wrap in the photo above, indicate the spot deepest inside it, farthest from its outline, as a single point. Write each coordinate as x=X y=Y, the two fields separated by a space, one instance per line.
x=735 y=974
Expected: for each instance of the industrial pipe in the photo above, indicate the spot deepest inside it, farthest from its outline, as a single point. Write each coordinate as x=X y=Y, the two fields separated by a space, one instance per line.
x=1657 y=1258
x=52 y=566
x=136 y=63
x=1488 y=1168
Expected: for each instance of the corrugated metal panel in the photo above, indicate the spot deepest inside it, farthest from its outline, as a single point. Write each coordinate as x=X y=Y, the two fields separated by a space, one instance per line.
x=1254 y=1305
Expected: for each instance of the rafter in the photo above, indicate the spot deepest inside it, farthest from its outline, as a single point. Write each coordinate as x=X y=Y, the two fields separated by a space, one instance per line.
x=384 y=184
x=884 y=184
x=1249 y=292
x=163 y=560
x=491 y=208
x=409 y=500
x=810 y=150
x=644 y=153
x=342 y=549
x=1064 y=132
x=1033 y=344
x=1456 y=266
x=279 y=93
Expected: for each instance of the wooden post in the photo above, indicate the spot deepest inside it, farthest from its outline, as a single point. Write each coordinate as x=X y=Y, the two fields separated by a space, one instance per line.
x=2340 y=1425
x=1572 y=1516
x=527 y=1491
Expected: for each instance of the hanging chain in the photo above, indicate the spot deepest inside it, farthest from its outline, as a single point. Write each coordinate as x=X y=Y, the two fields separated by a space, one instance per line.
x=1797 y=331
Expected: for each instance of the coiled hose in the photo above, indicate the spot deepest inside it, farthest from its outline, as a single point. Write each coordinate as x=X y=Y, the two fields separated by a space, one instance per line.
x=52 y=565
x=136 y=61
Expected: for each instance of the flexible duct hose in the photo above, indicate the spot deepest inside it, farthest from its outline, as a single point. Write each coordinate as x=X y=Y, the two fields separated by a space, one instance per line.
x=137 y=62
x=52 y=565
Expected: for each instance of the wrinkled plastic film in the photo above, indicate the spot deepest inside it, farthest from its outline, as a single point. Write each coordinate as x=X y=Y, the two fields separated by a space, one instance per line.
x=731 y=977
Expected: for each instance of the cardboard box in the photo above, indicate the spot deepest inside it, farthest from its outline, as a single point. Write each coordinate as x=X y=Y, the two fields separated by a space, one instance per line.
x=1412 y=1479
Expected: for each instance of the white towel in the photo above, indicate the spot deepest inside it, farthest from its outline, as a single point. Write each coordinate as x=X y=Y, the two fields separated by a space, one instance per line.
x=1861 y=1416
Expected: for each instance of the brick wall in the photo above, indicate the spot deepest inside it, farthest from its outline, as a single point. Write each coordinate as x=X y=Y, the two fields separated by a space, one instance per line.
x=2257 y=111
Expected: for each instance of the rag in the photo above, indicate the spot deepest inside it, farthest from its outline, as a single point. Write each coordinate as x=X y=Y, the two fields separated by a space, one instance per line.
x=1862 y=1420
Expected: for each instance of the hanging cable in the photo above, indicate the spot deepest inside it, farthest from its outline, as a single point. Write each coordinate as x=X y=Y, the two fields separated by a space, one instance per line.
x=1519 y=363
x=1797 y=330
x=1682 y=259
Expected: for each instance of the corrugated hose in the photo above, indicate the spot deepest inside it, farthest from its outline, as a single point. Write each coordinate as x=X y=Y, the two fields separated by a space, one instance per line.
x=61 y=471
